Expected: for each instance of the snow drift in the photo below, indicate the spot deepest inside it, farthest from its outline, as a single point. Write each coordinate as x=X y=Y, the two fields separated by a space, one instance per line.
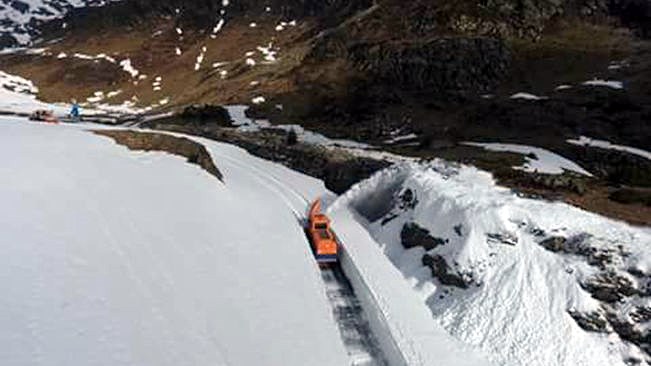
x=528 y=282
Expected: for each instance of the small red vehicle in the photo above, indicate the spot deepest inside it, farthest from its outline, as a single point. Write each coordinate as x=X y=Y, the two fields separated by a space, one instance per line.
x=323 y=240
x=42 y=115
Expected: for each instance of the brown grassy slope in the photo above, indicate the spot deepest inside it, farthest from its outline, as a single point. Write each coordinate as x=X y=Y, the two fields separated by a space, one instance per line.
x=151 y=48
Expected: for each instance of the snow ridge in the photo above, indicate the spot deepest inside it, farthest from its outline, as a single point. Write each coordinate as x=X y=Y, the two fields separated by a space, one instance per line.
x=514 y=277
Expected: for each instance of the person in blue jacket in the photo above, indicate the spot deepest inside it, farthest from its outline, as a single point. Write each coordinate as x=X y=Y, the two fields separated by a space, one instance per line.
x=74 y=112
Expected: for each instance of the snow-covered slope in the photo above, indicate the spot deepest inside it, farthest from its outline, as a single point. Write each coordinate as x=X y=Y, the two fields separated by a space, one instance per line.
x=18 y=95
x=19 y=18
x=524 y=280
x=114 y=257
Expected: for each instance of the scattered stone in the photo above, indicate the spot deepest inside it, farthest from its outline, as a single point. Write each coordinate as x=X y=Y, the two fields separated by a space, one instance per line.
x=537 y=232
x=408 y=199
x=554 y=243
x=458 y=229
x=503 y=238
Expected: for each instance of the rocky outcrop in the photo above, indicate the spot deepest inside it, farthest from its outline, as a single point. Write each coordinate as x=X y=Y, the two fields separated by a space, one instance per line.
x=596 y=253
x=206 y=114
x=610 y=287
x=442 y=271
x=338 y=170
x=443 y=66
x=144 y=141
x=413 y=235
x=636 y=14
x=523 y=19
x=622 y=291
x=199 y=14
x=632 y=195
x=616 y=167
x=592 y=321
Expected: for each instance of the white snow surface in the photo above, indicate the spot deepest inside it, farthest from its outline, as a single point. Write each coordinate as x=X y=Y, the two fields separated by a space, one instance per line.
x=17 y=84
x=16 y=97
x=516 y=307
x=602 y=144
x=406 y=330
x=545 y=161
x=19 y=96
x=115 y=257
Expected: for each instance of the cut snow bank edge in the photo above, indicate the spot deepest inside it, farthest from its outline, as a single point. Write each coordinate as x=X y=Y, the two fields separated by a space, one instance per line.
x=377 y=319
x=405 y=328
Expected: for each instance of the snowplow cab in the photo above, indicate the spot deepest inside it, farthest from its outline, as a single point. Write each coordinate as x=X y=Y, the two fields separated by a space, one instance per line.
x=322 y=238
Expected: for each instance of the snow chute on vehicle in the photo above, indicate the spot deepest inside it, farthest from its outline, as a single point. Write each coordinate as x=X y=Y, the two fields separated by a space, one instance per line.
x=323 y=240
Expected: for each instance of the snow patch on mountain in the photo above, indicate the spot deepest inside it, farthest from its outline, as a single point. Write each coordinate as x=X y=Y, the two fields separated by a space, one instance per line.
x=19 y=19
x=528 y=282
x=538 y=159
x=17 y=84
x=602 y=144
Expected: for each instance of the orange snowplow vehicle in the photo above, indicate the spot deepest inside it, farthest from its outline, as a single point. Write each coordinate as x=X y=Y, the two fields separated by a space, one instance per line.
x=323 y=240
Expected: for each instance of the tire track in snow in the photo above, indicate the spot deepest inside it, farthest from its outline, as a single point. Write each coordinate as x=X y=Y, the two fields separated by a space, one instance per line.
x=362 y=347
x=279 y=187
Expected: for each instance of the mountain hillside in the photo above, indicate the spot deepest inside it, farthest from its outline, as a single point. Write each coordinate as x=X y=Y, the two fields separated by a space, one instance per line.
x=492 y=160
x=527 y=73
x=20 y=19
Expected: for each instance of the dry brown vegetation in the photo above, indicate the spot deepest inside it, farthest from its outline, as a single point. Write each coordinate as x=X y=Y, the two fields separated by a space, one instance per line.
x=152 y=50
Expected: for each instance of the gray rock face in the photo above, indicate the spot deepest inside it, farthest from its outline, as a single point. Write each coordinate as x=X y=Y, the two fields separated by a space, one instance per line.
x=339 y=173
x=446 y=65
x=622 y=291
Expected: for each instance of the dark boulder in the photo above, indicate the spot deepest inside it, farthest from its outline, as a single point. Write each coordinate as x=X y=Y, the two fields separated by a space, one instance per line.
x=442 y=271
x=592 y=321
x=413 y=235
x=206 y=114
x=554 y=243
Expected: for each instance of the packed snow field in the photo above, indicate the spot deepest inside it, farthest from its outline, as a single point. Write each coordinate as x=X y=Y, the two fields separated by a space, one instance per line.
x=114 y=257
x=504 y=292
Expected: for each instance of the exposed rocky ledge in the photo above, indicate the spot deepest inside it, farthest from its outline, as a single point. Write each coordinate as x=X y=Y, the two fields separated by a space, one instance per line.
x=147 y=141
x=337 y=169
